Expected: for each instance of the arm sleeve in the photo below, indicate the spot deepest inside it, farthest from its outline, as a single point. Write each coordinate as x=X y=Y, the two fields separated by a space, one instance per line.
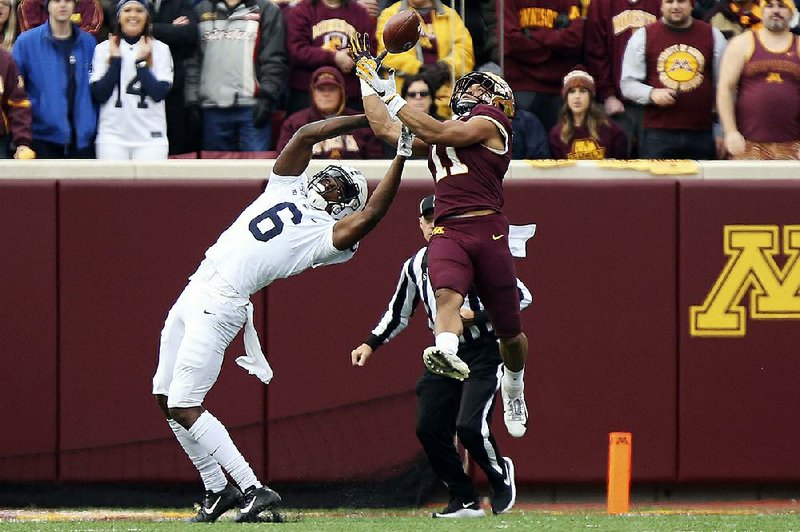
x=91 y=13
x=401 y=308
x=557 y=148
x=156 y=89
x=273 y=68
x=104 y=86
x=619 y=145
x=299 y=40
x=179 y=37
x=517 y=44
x=565 y=40
x=596 y=54
x=720 y=43
x=461 y=57
x=31 y=13
x=191 y=88
x=19 y=108
x=634 y=69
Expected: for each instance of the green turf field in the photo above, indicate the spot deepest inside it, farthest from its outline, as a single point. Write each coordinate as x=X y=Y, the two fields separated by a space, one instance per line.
x=655 y=519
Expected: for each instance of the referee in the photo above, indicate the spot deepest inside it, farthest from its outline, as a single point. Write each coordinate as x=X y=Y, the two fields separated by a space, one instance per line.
x=448 y=407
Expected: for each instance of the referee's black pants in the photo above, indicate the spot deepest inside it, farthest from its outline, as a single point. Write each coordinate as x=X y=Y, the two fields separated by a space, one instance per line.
x=447 y=407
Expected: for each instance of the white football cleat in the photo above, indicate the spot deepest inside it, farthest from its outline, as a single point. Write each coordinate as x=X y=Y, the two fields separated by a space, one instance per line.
x=515 y=412
x=444 y=364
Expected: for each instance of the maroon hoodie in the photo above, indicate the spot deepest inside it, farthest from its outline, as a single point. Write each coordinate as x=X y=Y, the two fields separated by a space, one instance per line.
x=313 y=34
x=15 y=107
x=543 y=42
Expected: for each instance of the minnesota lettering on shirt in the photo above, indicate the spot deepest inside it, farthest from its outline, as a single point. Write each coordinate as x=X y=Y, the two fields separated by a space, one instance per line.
x=631 y=19
x=539 y=17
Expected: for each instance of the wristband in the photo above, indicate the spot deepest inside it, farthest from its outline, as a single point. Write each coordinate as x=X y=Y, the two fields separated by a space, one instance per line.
x=394 y=103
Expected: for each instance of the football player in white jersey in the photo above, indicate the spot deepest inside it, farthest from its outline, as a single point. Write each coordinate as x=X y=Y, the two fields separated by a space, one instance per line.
x=296 y=223
x=131 y=75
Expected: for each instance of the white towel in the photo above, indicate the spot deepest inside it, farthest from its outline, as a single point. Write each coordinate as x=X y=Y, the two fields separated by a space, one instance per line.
x=254 y=361
x=518 y=235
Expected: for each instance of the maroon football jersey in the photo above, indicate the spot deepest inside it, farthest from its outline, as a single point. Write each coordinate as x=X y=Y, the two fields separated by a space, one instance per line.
x=471 y=177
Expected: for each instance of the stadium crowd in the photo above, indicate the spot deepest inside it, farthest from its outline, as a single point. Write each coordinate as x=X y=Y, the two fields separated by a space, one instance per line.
x=243 y=75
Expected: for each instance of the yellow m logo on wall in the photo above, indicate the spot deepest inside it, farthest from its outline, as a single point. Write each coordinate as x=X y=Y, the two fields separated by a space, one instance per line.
x=752 y=268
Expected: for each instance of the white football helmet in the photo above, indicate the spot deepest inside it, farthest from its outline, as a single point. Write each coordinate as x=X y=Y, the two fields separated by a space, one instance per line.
x=350 y=184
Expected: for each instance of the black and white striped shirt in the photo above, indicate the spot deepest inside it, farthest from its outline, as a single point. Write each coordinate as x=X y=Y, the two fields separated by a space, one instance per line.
x=413 y=287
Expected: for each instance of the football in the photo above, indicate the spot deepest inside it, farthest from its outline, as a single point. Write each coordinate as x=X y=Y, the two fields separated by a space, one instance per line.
x=401 y=31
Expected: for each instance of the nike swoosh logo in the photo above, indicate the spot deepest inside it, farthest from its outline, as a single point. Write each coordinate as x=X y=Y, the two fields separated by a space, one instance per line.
x=213 y=506
x=466 y=505
x=207 y=312
x=249 y=506
x=497 y=237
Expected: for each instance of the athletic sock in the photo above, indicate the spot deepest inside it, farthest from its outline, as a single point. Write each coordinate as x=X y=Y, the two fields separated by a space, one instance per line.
x=513 y=381
x=210 y=472
x=447 y=342
x=212 y=435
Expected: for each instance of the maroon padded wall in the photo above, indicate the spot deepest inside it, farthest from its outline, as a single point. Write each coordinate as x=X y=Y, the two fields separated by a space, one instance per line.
x=28 y=328
x=126 y=250
x=614 y=268
x=601 y=328
x=602 y=354
x=739 y=395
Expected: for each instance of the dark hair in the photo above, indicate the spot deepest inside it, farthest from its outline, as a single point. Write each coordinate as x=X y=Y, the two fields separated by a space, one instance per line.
x=431 y=88
x=595 y=119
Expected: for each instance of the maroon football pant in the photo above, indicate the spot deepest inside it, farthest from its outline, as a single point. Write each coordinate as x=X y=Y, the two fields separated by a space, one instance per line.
x=473 y=251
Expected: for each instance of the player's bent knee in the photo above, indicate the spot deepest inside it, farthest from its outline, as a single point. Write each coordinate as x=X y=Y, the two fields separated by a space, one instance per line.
x=185 y=416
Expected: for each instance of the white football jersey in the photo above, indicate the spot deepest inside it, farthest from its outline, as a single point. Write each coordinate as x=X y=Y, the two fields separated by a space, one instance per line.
x=135 y=122
x=276 y=236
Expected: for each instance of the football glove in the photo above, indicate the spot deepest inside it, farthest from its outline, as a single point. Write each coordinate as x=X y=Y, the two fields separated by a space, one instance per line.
x=405 y=142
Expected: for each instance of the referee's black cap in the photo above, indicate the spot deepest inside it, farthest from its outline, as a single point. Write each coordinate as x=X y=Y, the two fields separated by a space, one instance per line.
x=426 y=205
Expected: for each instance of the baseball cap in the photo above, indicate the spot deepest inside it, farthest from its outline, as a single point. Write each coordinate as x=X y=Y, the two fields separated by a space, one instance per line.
x=326 y=78
x=426 y=205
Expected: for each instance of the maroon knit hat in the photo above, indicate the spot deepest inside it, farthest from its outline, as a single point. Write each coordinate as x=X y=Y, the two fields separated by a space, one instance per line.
x=578 y=77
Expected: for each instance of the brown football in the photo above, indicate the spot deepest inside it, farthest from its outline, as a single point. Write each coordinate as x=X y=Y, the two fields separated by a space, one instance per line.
x=401 y=31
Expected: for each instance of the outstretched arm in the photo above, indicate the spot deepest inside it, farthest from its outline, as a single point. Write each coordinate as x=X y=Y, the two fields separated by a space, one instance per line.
x=383 y=126
x=294 y=158
x=452 y=132
x=353 y=228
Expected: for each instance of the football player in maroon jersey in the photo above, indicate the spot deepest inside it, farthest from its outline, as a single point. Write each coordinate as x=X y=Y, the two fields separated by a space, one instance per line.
x=468 y=157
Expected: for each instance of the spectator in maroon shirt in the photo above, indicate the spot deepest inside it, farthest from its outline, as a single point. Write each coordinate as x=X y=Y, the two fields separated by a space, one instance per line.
x=15 y=112
x=327 y=100
x=318 y=34
x=542 y=42
x=88 y=15
x=584 y=131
